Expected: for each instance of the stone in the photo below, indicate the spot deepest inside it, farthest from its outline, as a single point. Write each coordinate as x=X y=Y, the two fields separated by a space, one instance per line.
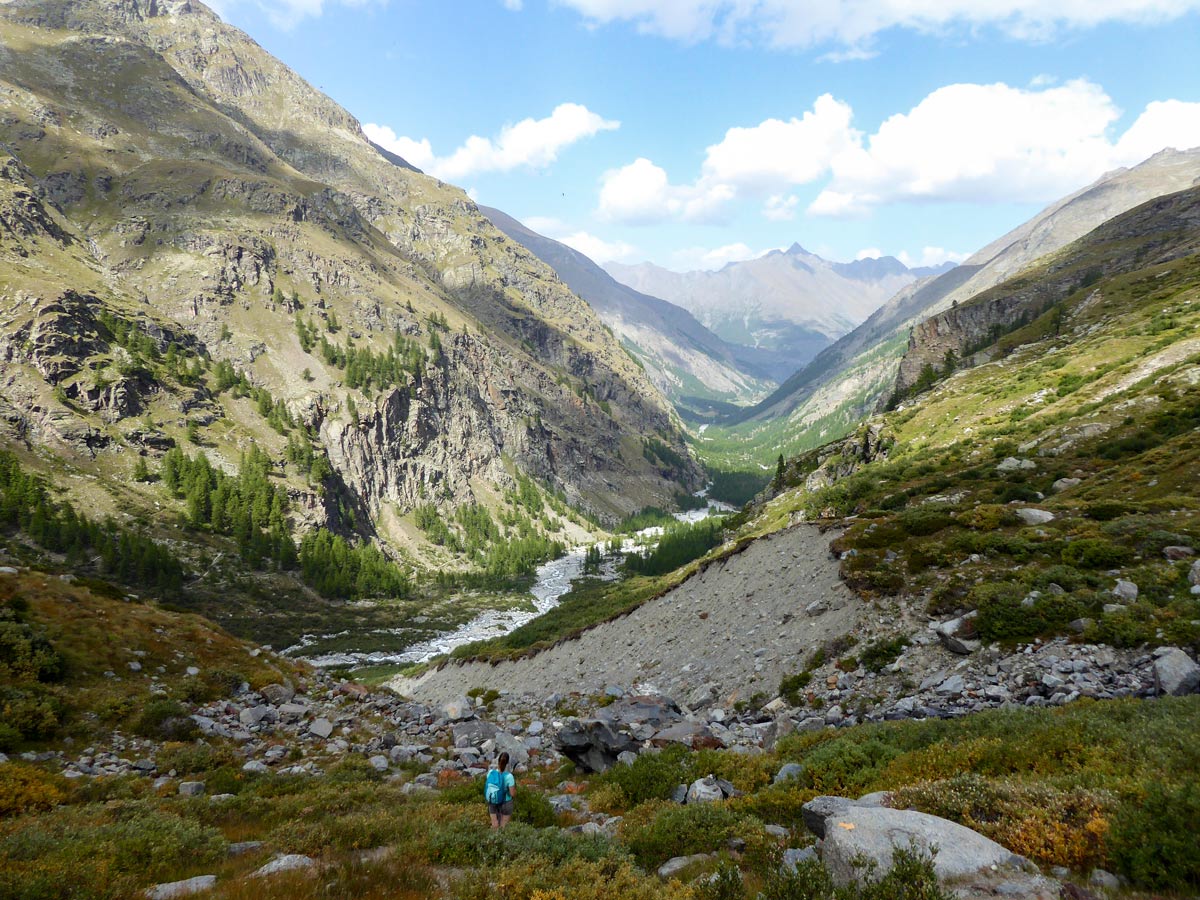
x=1079 y=626
x=1065 y=484
x=289 y=863
x=592 y=744
x=1012 y=464
x=1106 y=881
x=705 y=790
x=679 y=795
x=181 y=888
x=1177 y=552
x=787 y=772
x=876 y=798
x=192 y=671
x=241 y=848
x=1194 y=573
x=191 y=788
x=518 y=753
x=472 y=732
x=1031 y=516
x=952 y=686
x=694 y=735
x=679 y=863
x=864 y=834
x=535 y=728
x=1125 y=590
x=816 y=608
x=1175 y=674
x=793 y=856
x=955 y=635
x=322 y=727
x=818 y=809
x=834 y=715
x=458 y=709
x=255 y=715
x=379 y=763
x=135 y=666
x=278 y=694
x=256 y=767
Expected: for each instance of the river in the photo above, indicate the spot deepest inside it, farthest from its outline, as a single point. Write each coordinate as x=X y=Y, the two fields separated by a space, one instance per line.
x=552 y=580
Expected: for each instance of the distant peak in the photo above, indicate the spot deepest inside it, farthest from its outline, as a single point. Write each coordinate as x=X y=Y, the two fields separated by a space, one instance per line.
x=797 y=250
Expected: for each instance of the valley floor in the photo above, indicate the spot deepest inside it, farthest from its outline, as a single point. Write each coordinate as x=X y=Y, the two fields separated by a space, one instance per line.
x=732 y=630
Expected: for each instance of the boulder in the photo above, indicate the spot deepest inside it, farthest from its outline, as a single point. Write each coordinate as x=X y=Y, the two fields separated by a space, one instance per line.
x=191 y=788
x=642 y=709
x=1032 y=516
x=957 y=635
x=518 y=753
x=379 y=763
x=1012 y=464
x=793 y=856
x=694 y=735
x=818 y=809
x=866 y=834
x=458 y=709
x=181 y=888
x=278 y=694
x=472 y=732
x=705 y=790
x=288 y=863
x=679 y=863
x=1125 y=590
x=1177 y=552
x=1175 y=674
x=1064 y=484
x=1194 y=573
x=787 y=772
x=256 y=767
x=322 y=727
x=592 y=744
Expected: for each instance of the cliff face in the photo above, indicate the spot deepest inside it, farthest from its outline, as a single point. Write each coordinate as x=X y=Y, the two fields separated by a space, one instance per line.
x=1155 y=232
x=160 y=167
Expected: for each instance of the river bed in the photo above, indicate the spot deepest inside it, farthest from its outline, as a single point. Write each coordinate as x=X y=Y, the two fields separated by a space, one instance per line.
x=553 y=580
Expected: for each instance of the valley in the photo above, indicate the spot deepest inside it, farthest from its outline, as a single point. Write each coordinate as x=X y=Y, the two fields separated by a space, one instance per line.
x=323 y=484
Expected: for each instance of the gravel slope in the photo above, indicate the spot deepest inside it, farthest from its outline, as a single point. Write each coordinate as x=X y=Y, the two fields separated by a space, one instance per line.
x=738 y=627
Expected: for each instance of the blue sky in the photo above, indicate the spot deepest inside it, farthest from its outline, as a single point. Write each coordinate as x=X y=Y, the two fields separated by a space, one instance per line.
x=693 y=132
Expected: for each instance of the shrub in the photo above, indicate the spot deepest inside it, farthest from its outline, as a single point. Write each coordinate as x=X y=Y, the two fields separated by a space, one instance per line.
x=652 y=776
x=790 y=687
x=882 y=653
x=165 y=720
x=656 y=831
x=1154 y=840
x=924 y=520
x=26 y=789
x=1095 y=553
x=1046 y=824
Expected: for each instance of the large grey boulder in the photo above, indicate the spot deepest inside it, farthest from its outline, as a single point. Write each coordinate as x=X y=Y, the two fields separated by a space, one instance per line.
x=181 y=888
x=518 y=753
x=871 y=834
x=1175 y=674
x=592 y=744
x=679 y=863
x=705 y=790
x=787 y=772
x=458 y=709
x=278 y=694
x=818 y=809
x=288 y=863
x=694 y=735
x=322 y=727
x=1032 y=516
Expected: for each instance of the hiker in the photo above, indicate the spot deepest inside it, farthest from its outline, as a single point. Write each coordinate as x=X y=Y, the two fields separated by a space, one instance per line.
x=498 y=791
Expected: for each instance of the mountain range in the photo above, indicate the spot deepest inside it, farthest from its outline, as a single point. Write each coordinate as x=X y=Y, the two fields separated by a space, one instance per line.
x=791 y=301
x=858 y=371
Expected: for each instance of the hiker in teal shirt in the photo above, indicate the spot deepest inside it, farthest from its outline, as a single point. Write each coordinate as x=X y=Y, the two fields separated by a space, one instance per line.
x=498 y=791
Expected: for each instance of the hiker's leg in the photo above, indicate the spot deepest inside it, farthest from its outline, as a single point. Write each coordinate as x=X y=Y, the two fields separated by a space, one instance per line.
x=504 y=820
x=496 y=820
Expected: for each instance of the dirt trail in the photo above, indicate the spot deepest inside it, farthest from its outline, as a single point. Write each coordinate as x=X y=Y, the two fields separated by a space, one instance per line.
x=739 y=626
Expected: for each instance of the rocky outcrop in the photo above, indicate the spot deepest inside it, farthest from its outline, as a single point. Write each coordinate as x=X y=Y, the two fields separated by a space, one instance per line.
x=1155 y=232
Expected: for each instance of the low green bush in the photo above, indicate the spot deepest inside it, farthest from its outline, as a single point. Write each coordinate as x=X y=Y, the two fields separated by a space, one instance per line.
x=1095 y=553
x=1154 y=840
x=165 y=720
x=652 y=776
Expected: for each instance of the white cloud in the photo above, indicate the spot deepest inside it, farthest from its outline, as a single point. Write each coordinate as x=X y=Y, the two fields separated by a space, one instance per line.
x=775 y=152
x=973 y=143
x=530 y=143
x=1164 y=123
x=692 y=258
x=597 y=249
x=868 y=253
x=995 y=143
x=513 y=5
x=930 y=256
x=781 y=208
x=853 y=24
x=641 y=194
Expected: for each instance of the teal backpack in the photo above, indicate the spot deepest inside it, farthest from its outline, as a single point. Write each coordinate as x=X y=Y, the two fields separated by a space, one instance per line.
x=495 y=790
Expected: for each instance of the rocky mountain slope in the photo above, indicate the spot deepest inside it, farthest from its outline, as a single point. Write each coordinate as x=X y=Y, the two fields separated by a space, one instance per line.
x=200 y=250
x=792 y=302
x=682 y=357
x=848 y=378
